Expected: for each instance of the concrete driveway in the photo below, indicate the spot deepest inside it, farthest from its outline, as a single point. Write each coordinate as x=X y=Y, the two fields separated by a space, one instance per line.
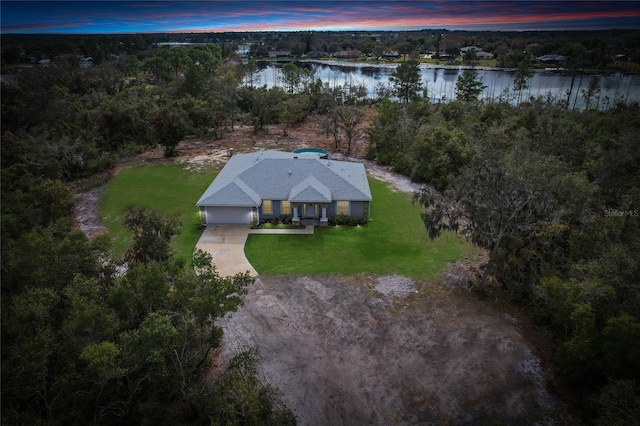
x=226 y=244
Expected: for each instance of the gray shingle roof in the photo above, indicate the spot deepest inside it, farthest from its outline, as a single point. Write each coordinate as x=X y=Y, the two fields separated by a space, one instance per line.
x=247 y=179
x=310 y=190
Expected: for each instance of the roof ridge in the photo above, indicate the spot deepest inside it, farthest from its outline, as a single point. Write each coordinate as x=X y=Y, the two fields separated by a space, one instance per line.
x=340 y=164
x=247 y=190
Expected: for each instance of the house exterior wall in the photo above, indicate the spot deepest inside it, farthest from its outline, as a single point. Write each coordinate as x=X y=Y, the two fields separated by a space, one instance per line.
x=356 y=208
x=276 y=207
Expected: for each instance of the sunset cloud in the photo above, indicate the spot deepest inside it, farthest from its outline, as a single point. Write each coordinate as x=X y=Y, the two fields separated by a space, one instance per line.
x=218 y=16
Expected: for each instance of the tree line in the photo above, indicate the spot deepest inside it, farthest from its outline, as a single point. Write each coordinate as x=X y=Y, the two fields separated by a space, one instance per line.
x=553 y=195
x=88 y=337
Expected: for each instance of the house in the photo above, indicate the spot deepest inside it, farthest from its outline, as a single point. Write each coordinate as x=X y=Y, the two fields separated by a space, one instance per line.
x=264 y=184
x=552 y=59
x=318 y=54
x=348 y=54
x=484 y=55
x=279 y=53
x=467 y=48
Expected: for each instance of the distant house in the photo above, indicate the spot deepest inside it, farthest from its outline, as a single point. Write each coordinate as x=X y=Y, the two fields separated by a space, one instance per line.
x=260 y=185
x=484 y=55
x=467 y=48
x=480 y=54
x=391 y=54
x=552 y=59
x=318 y=54
x=348 y=54
x=279 y=53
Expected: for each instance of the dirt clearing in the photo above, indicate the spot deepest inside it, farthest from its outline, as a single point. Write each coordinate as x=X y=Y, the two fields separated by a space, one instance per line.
x=387 y=350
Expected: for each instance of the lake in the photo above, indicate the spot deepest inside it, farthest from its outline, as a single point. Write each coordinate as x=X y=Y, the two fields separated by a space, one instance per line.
x=441 y=82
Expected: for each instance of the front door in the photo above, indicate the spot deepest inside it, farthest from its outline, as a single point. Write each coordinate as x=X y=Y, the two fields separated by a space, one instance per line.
x=310 y=210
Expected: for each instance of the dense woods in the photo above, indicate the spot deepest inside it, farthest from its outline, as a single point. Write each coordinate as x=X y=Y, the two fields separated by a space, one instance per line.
x=553 y=195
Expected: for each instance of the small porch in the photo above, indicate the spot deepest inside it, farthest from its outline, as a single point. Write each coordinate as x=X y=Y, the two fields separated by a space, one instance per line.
x=310 y=214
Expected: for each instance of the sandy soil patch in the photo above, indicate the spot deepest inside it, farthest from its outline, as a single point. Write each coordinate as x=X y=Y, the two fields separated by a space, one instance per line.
x=386 y=350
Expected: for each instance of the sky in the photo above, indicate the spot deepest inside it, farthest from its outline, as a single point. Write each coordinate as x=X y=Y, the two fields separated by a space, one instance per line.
x=99 y=17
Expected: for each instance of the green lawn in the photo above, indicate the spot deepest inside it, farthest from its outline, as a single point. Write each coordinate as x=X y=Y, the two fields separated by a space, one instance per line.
x=394 y=242
x=168 y=189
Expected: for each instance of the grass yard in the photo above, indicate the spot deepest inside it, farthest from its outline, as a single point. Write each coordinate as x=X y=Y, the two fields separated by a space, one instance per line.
x=168 y=189
x=394 y=242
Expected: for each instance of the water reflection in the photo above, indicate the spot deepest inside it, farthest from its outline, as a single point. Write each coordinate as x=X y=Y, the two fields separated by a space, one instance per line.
x=440 y=82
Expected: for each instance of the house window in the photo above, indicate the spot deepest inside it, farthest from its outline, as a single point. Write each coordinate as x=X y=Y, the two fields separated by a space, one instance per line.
x=286 y=207
x=342 y=207
x=267 y=208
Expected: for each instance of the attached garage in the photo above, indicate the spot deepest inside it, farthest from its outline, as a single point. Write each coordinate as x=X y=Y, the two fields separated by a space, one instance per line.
x=227 y=215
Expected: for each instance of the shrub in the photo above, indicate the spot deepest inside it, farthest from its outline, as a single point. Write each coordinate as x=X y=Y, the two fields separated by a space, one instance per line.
x=344 y=220
x=283 y=219
x=286 y=219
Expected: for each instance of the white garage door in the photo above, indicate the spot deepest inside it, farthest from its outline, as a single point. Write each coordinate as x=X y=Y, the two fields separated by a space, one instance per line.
x=229 y=215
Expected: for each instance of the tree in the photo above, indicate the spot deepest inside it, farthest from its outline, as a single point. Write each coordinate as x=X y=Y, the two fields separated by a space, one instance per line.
x=438 y=41
x=170 y=127
x=470 y=57
x=291 y=77
x=404 y=48
x=469 y=86
x=349 y=118
x=294 y=109
x=194 y=81
x=494 y=198
x=439 y=153
x=159 y=67
x=406 y=81
x=128 y=352
x=152 y=233
x=132 y=65
x=384 y=133
x=207 y=57
x=523 y=75
x=367 y=47
x=29 y=201
x=176 y=57
x=591 y=94
x=264 y=106
x=252 y=402
x=618 y=404
x=250 y=71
